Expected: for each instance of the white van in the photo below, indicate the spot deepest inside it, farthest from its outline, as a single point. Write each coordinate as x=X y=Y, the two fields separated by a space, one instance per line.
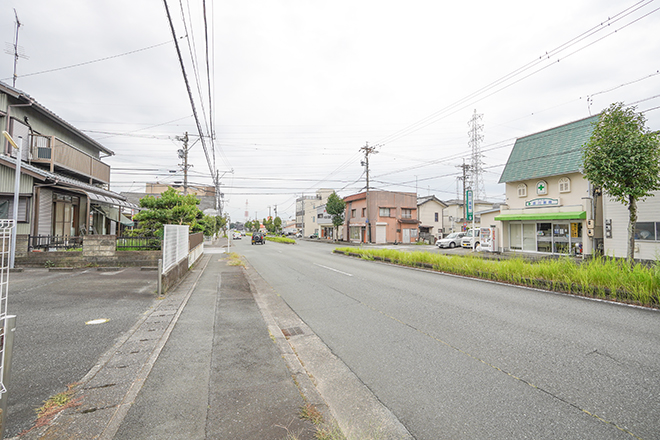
x=471 y=239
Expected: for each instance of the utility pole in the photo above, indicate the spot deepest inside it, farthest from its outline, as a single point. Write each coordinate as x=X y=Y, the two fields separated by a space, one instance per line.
x=183 y=155
x=365 y=163
x=465 y=167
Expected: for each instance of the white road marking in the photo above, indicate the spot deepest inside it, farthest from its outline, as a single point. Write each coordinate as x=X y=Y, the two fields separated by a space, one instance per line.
x=334 y=270
x=97 y=321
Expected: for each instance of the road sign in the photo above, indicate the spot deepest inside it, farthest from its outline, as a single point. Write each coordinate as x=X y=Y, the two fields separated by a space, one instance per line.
x=469 y=203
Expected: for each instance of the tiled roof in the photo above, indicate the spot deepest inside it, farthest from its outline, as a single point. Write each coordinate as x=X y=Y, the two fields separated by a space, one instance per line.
x=549 y=153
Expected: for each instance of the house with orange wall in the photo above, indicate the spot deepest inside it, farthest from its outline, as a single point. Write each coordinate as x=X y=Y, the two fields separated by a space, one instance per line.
x=381 y=217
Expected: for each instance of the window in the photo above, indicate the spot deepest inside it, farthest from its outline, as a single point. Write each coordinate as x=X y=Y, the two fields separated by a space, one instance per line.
x=384 y=212
x=522 y=190
x=364 y=212
x=353 y=213
x=541 y=187
x=564 y=185
x=7 y=208
x=406 y=213
x=645 y=231
x=436 y=217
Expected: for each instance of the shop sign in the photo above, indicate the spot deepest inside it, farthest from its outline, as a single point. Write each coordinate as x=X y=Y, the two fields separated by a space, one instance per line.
x=543 y=201
x=469 y=203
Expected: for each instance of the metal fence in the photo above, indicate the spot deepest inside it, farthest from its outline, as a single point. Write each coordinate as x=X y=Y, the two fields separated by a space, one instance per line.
x=6 y=227
x=175 y=245
x=128 y=243
x=58 y=242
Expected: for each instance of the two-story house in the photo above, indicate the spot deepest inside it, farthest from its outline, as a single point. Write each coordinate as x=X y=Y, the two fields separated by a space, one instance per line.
x=381 y=217
x=64 y=182
x=429 y=210
x=551 y=206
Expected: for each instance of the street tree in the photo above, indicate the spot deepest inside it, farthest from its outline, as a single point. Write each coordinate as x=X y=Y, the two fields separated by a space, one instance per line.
x=622 y=157
x=171 y=208
x=335 y=206
x=277 y=223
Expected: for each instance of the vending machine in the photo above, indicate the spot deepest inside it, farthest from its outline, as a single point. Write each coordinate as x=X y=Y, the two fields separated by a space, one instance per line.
x=489 y=239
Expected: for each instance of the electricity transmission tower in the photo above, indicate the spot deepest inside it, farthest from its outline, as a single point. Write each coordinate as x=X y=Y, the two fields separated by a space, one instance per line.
x=476 y=163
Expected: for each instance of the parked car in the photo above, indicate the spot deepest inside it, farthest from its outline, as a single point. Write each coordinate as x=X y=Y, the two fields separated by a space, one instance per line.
x=236 y=235
x=299 y=235
x=258 y=238
x=451 y=241
x=471 y=239
x=314 y=235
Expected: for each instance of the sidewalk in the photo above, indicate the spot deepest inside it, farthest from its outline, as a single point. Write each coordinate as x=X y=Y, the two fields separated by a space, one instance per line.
x=219 y=357
x=200 y=365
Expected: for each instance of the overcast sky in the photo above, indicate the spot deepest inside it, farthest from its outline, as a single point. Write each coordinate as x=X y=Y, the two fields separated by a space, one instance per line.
x=298 y=87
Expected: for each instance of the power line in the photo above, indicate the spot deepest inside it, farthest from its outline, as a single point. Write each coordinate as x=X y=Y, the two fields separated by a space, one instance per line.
x=93 y=61
x=504 y=81
x=190 y=96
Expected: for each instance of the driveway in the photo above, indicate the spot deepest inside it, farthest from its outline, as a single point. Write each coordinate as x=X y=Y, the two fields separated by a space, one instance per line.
x=53 y=345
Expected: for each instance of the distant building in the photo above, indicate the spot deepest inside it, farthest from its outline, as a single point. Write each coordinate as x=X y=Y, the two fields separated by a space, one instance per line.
x=306 y=211
x=454 y=219
x=205 y=194
x=381 y=217
x=430 y=211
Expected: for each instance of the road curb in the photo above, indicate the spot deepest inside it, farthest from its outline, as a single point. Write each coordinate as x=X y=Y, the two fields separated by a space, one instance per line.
x=321 y=376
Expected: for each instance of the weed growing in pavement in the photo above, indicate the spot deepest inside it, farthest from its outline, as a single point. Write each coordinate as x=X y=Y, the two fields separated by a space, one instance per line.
x=597 y=277
x=54 y=405
x=48 y=264
x=311 y=413
x=235 y=260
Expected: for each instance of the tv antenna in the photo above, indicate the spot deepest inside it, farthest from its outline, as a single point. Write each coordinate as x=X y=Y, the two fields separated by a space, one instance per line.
x=14 y=49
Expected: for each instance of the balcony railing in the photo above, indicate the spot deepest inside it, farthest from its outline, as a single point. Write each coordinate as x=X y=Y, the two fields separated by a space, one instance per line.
x=60 y=155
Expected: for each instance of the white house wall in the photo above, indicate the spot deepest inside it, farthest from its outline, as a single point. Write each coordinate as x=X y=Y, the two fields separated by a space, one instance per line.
x=427 y=213
x=617 y=246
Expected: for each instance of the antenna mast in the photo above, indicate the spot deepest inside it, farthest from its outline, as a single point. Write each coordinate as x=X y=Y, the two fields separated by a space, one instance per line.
x=16 y=50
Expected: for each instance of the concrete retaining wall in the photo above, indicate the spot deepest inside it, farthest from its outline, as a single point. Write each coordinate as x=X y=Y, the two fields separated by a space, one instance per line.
x=98 y=250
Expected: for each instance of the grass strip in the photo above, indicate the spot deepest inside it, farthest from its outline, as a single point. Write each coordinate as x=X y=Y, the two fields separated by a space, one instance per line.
x=596 y=277
x=280 y=239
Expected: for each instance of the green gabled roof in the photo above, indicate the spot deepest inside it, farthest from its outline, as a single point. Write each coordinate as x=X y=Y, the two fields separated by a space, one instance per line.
x=549 y=153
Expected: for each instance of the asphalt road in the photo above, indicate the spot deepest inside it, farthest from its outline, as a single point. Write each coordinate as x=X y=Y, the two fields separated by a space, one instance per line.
x=53 y=347
x=455 y=358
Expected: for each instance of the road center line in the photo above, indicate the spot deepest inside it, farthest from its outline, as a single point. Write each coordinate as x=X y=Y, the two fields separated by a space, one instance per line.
x=334 y=270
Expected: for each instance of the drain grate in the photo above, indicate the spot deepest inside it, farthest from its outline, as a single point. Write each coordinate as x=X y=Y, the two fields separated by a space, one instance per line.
x=292 y=331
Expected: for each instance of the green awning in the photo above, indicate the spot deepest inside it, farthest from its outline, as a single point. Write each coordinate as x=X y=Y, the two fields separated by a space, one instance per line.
x=575 y=215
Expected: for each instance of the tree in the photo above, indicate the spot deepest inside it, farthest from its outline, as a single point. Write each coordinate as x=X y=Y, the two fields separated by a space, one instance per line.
x=623 y=158
x=212 y=224
x=277 y=222
x=171 y=208
x=335 y=206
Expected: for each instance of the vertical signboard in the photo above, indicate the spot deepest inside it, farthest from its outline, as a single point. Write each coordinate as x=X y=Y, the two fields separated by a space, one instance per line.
x=469 y=205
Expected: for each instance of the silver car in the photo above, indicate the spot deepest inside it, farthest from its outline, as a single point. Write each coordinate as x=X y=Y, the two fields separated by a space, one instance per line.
x=451 y=241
